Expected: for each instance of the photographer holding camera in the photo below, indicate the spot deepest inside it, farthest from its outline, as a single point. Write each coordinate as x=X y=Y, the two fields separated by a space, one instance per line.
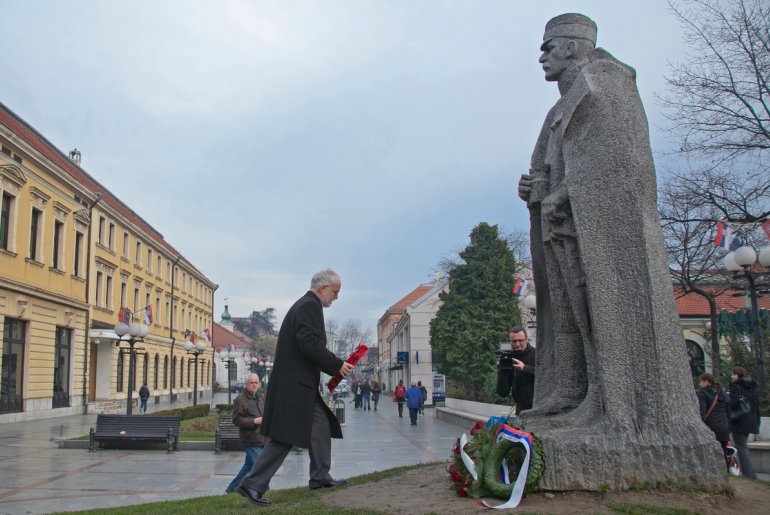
x=516 y=369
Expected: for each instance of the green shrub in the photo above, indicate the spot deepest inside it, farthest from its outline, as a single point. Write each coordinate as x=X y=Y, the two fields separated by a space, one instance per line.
x=224 y=409
x=201 y=410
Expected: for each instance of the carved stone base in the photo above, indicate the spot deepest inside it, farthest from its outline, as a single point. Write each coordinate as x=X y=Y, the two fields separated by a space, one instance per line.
x=595 y=461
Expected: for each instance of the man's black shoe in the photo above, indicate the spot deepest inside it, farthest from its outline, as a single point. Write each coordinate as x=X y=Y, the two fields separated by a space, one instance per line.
x=331 y=484
x=253 y=496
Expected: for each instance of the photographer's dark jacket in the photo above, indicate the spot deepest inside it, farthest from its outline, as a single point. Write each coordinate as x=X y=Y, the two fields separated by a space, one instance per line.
x=520 y=384
x=245 y=409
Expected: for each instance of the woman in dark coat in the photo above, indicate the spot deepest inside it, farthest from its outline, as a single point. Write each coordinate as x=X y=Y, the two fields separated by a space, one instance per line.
x=718 y=418
x=742 y=386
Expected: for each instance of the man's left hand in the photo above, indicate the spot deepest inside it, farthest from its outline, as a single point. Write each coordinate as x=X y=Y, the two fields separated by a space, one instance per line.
x=517 y=364
x=346 y=369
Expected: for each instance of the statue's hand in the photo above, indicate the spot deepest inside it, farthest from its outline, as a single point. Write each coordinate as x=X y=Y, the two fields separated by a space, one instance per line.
x=525 y=187
x=555 y=206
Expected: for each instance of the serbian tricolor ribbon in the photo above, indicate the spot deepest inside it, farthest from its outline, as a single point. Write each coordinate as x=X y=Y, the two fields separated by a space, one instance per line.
x=515 y=436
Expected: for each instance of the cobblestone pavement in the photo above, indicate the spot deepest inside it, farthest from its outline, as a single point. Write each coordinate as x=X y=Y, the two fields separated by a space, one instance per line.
x=38 y=477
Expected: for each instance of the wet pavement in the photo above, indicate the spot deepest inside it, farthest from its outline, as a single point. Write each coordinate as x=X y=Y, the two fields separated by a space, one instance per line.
x=38 y=477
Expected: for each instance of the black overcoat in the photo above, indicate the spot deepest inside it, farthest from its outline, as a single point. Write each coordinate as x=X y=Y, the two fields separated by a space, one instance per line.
x=292 y=389
x=719 y=418
x=748 y=388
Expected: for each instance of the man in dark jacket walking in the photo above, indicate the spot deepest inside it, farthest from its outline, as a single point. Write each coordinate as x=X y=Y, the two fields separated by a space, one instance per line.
x=742 y=386
x=248 y=408
x=144 y=395
x=295 y=414
x=516 y=376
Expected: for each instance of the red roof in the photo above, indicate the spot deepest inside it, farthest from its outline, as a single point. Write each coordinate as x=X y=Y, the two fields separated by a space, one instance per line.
x=223 y=337
x=693 y=305
x=45 y=147
x=413 y=296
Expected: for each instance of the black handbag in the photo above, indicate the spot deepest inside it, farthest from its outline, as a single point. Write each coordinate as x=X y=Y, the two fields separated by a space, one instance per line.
x=741 y=411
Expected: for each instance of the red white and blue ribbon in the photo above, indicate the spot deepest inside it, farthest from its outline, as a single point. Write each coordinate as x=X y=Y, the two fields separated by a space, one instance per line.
x=511 y=434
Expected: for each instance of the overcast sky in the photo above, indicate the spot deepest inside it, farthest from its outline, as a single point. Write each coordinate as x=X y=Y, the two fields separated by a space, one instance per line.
x=269 y=139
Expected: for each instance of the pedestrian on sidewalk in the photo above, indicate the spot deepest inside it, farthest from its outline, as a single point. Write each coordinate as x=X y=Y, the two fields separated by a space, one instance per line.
x=715 y=411
x=248 y=407
x=295 y=413
x=366 y=393
x=398 y=397
x=413 y=402
x=356 y=394
x=743 y=386
x=144 y=395
x=424 y=397
x=376 y=390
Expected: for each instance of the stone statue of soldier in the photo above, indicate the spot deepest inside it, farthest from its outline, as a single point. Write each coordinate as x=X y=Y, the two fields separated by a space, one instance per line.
x=614 y=403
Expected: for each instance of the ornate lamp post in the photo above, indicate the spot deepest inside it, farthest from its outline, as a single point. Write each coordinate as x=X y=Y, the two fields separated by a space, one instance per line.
x=196 y=349
x=228 y=358
x=136 y=333
x=740 y=263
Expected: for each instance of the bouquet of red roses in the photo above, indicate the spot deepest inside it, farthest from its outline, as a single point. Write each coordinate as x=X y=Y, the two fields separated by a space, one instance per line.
x=354 y=357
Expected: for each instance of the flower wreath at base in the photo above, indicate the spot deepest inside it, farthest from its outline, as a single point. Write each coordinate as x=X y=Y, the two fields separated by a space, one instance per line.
x=499 y=461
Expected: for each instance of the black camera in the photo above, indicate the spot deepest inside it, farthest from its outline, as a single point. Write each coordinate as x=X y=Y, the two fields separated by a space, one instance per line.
x=505 y=356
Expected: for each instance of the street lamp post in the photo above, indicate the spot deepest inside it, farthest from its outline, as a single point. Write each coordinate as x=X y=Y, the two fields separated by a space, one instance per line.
x=261 y=367
x=740 y=263
x=196 y=349
x=229 y=360
x=136 y=334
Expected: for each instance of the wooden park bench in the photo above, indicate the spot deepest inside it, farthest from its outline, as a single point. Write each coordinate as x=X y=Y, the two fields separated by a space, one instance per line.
x=226 y=437
x=118 y=429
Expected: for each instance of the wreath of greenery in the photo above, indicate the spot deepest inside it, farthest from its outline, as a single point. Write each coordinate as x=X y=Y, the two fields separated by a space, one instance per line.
x=488 y=458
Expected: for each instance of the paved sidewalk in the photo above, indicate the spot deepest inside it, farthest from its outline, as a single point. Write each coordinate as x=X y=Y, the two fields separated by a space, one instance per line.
x=37 y=477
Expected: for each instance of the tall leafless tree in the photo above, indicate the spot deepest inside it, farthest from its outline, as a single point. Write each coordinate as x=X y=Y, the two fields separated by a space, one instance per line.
x=718 y=98
x=717 y=104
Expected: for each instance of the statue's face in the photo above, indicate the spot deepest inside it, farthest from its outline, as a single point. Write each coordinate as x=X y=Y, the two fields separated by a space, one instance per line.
x=555 y=58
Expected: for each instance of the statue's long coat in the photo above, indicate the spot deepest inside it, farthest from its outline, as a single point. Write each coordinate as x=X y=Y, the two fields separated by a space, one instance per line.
x=610 y=177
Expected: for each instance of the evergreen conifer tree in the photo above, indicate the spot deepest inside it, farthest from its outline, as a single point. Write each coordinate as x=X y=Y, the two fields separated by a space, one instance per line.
x=477 y=311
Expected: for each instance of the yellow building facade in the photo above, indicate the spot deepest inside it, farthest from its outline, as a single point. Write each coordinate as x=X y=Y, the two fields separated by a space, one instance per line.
x=71 y=254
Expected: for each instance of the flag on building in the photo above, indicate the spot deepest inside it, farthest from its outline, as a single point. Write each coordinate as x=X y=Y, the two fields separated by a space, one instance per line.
x=737 y=241
x=766 y=228
x=147 y=312
x=520 y=287
x=724 y=237
x=124 y=315
x=207 y=335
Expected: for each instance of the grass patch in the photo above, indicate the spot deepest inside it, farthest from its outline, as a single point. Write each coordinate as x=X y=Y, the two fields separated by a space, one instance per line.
x=199 y=429
x=647 y=509
x=294 y=501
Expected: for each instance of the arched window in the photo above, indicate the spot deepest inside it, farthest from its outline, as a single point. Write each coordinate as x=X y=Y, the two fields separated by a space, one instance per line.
x=120 y=371
x=173 y=372
x=189 y=365
x=697 y=359
x=181 y=372
x=165 y=372
x=155 y=372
